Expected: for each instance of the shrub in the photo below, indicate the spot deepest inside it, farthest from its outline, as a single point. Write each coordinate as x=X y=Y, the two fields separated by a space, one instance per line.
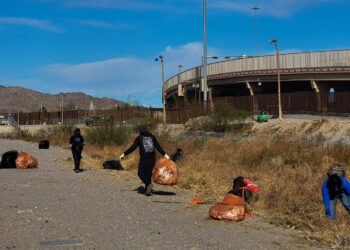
x=203 y=123
x=151 y=125
x=25 y=134
x=225 y=118
x=108 y=134
x=5 y=135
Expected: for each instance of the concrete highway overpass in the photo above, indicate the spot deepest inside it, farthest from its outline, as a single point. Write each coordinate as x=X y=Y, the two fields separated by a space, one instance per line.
x=255 y=79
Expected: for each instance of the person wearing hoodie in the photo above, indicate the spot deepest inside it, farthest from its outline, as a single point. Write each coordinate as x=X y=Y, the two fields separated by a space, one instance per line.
x=335 y=187
x=76 y=144
x=147 y=143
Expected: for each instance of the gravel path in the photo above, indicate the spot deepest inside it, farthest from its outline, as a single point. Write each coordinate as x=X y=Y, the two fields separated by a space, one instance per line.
x=54 y=208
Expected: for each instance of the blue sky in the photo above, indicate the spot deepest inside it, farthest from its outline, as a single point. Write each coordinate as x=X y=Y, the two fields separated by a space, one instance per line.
x=107 y=47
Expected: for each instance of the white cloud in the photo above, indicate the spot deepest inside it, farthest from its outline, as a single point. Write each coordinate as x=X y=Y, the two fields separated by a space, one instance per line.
x=94 y=23
x=36 y=23
x=119 y=77
x=276 y=8
x=108 y=4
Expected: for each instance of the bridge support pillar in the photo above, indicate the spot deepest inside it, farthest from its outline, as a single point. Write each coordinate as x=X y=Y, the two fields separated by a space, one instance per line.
x=255 y=104
x=314 y=86
x=249 y=88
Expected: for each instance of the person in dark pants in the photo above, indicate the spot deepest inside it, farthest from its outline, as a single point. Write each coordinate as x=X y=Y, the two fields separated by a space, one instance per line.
x=147 y=144
x=77 y=143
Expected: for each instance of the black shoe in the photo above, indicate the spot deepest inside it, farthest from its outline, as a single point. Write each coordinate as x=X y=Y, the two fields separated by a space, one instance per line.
x=76 y=170
x=149 y=189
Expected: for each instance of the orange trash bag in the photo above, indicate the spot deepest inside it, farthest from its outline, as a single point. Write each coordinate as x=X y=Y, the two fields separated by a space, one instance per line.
x=165 y=172
x=22 y=160
x=25 y=161
x=232 y=208
x=32 y=162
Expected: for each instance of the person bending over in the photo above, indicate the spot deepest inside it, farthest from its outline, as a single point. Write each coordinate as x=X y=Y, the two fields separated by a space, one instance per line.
x=335 y=187
x=147 y=144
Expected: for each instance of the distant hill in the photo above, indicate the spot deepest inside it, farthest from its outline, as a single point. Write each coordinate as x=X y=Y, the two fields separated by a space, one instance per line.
x=28 y=100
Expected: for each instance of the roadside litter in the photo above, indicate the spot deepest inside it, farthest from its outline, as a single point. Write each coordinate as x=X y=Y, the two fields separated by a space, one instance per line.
x=165 y=172
x=113 y=165
x=18 y=159
x=44 y=144
x=232 y=208
x=177 y=156
x=196 y=201
x=26 y=161
x=8 y=159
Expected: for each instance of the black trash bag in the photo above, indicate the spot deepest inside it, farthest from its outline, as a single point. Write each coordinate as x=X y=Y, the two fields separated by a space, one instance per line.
x=8 y=159
x=44 y=144
x=177 y=156
x=113 y=165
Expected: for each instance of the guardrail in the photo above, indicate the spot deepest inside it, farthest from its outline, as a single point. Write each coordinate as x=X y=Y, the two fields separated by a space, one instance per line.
x=320 y=59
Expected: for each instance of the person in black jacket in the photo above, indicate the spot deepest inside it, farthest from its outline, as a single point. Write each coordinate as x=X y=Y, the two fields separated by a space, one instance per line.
x=76 y=143
x=147 y=144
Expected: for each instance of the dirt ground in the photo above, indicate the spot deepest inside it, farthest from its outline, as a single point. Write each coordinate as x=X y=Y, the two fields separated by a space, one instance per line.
x=53 y=207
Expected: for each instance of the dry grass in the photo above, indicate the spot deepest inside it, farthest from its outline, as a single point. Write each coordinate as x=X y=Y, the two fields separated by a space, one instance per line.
x=289 y=172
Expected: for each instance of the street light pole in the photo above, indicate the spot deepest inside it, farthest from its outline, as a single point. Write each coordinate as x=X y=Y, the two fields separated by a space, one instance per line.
x=205 y=97
x=255 y=8
x=163 y=88
x=274 y=41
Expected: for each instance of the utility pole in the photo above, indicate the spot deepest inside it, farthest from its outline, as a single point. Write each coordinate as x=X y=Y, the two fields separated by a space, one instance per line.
x=255 y=8
x=41 y=110
x=86 y=103
x=205 y=94
x=164 y=109
x=163 y=88
x=274 y=41
x=17 y=109
x=62 y=109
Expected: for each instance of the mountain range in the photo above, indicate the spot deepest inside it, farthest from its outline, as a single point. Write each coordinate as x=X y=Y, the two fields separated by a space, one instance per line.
x=27 y=100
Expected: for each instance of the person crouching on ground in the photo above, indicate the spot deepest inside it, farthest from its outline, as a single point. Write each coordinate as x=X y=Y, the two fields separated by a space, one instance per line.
x=335 y=187
x=77 y=143
x=147 y=144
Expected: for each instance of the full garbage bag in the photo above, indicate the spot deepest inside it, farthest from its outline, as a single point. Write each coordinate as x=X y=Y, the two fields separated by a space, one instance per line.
x=165 y=172
x=25 y=161
x=232 y=208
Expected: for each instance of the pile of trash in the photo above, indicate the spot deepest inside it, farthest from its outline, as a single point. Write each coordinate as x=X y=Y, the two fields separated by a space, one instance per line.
x=232 y=208
x=18 y=159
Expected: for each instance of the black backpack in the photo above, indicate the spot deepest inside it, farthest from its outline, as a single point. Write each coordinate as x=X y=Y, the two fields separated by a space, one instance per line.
x=113 y=165
x=44 y=144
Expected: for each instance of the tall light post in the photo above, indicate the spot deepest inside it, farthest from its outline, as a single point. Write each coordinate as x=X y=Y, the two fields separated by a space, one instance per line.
x=255 y=8
x=205 y=87
x=161 y=58
x=274 y=42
